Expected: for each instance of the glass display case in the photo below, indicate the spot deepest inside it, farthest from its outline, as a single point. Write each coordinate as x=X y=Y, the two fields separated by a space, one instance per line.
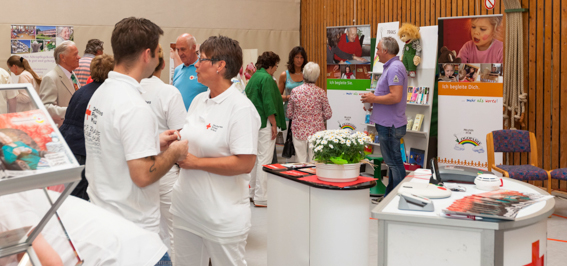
x=33 y=155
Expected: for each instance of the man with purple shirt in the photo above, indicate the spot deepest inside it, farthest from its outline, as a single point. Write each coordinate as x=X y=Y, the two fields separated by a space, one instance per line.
x=389 y=109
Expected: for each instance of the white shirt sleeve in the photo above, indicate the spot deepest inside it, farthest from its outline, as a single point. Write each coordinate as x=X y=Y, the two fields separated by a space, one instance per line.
x=176 y=111
x=138 y=132
x=244 y=127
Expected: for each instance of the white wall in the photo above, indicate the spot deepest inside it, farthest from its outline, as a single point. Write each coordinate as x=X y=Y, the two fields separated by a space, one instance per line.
x=261 y=24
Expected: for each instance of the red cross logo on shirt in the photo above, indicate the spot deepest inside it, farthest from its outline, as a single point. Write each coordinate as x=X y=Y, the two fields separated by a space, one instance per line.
x=191 y=77
x=88 y=112
x=536 y=259
x=209 y=126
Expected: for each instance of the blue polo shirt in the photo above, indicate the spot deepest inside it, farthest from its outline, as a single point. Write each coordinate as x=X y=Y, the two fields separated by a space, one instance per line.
x=185 y=80
x=394 y=114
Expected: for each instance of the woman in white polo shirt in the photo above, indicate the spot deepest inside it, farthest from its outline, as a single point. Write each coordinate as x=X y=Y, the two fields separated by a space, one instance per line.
x=210 y=205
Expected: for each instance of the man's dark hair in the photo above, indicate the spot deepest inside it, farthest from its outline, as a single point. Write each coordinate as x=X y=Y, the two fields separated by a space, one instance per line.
x=93 y=45
x=296 y=50
x=225 y=49
x=267 y=59
x=132 y=36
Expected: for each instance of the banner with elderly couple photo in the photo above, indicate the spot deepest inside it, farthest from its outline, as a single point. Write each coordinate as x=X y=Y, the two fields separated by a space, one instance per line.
x=348 y=74
x=470 y=88
x=36 y=43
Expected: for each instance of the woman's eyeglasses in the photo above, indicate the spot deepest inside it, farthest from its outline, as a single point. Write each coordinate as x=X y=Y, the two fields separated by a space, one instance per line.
x=208 y=59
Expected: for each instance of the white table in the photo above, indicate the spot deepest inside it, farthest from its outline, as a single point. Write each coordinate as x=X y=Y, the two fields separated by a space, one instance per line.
x=315 y=225
x=425 y=238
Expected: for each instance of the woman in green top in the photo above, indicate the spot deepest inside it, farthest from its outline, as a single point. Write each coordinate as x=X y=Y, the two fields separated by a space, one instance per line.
x=263 y=91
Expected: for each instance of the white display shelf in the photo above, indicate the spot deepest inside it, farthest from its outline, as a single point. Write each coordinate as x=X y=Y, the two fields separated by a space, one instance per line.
x=375 y=144
x=425 y=78
x=18 y=179
x=417 y=132
x=419 y=104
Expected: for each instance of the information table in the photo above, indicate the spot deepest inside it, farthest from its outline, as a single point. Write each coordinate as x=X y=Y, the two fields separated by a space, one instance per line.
x=425 y=238
x=310 y=224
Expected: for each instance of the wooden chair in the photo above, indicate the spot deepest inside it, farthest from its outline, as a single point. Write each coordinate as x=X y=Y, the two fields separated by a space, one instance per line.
x=516 y=141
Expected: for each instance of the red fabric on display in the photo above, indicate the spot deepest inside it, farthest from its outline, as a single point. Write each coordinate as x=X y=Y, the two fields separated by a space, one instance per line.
x=349 y=47
x=314 y=179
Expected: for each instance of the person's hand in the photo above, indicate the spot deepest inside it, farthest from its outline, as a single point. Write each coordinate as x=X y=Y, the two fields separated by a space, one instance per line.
x=189 y=162
x=16 y=151
x=359 y=58
x=416 y=60
x=366 y=98
x=336 y=68
x=180 y=148
x=26 y=150
x=167 y=137
x=274 y=132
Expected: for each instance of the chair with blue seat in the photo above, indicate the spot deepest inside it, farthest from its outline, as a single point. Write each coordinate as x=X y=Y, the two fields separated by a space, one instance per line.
x=560 y=174
x=516 y=141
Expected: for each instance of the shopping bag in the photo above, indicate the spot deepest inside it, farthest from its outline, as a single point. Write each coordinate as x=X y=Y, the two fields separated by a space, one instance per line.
x=288 y=149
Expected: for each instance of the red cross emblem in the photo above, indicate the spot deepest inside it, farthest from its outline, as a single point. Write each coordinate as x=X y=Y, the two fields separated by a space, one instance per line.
x=191 y=77
x=209 y=126
x=536 y=259
x=88 y=112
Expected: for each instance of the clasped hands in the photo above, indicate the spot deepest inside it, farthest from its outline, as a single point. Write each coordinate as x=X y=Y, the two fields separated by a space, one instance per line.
x=170 y=139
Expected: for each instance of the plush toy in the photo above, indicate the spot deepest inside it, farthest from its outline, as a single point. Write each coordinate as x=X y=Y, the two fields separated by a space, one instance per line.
x=447 y=56
x=411 y=57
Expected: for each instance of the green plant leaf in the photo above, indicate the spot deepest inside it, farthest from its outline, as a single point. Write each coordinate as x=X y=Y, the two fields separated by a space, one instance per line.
x=339 y=160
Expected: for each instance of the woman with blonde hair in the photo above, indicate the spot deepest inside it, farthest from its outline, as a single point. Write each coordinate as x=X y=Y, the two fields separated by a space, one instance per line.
x=20 y=66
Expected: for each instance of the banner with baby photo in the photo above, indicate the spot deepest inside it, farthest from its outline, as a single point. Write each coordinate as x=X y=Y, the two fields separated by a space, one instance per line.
x=348 y=75
x=470 y=87
x=36 y=43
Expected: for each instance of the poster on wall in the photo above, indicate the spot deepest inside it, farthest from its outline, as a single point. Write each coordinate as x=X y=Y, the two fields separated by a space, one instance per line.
x=470 y=88
x=389 y=29
x=36 y=43
x=348 y=74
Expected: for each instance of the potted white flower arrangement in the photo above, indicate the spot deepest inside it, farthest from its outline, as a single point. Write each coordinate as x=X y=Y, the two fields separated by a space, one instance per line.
x=338 y=154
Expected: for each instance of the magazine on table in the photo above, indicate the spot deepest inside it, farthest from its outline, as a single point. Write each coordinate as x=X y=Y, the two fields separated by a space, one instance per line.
x=29 y=144
x=498 y=204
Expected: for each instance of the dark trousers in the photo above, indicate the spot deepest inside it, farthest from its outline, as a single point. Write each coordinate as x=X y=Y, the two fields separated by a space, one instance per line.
x=389 y=138
x=80 y=190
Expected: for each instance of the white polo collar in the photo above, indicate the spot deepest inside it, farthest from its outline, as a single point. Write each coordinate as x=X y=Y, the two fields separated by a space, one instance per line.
x=223 y=96
x=127 y=79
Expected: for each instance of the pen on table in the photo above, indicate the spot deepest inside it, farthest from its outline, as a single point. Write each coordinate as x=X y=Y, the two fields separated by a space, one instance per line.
x=460 y=216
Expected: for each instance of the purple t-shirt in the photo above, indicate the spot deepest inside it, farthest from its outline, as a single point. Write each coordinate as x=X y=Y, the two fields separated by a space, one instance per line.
x=470 y=54
x=388 y=115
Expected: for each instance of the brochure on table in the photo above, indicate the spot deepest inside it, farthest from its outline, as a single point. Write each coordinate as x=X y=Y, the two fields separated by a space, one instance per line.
x=33 y=152
x=470 y=92
x=348 y=78
x=36 y=44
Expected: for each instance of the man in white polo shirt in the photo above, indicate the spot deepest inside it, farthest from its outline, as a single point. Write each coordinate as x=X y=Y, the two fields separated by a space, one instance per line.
x=167 y=104
x=121 y=133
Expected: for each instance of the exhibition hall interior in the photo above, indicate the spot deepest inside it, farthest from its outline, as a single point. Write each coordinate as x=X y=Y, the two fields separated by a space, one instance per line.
x=283 y=132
